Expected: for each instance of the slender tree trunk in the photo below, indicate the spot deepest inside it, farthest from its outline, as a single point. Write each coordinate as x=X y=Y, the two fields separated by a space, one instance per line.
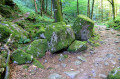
x=43 y=5
x=57 y=11
x=113 y=9
x=51 y=7
x=61 y=6
x=41 y=1
x=88 y=9
x=46 y=5
x=102 y=10
x=35 y=6
x=92 y=9
x=116 y=10
x=77 y=7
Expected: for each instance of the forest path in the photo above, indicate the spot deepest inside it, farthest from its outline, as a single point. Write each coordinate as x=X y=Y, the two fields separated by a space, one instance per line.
x=93 y=66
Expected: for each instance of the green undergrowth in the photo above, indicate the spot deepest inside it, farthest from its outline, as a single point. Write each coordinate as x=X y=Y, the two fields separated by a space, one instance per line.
x=94 y=39
x=114 y=24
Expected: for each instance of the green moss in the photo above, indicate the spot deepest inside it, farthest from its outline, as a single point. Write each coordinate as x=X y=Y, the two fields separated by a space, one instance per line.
x=20 y=57
x=11 y=28
x=40 y=32
x=114 y=74
x=37 y=48
x=59 y=36
x=65 y=56
x=37 y=63
x=81 y=22
x=77 y=46
x=25 y=67
x=4 y=32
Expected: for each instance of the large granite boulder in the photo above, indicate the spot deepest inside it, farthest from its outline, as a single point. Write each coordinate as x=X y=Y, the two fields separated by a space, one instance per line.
x=114 y=74
x=77 y=46
x=59 y=36
x=83 y=28
x=37 y=48
x=20 y=57
x=7 y=28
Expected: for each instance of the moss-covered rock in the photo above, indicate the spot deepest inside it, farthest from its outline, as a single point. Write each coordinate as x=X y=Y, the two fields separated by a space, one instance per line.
x=37 y=63
x=7 y=28
x=40 y=33
x=77 y=46
x=59 y=36
x=37 y=48
x=20 y=57
x=83 y=28
x=114 y=74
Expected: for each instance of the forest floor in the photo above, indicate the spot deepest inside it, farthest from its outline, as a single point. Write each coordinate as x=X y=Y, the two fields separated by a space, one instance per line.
x=96 y=63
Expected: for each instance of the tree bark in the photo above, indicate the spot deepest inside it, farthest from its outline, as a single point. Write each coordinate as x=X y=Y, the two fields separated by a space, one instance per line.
x=35 y=6
x=113 y=8
x=61 y=6
x=102 y=10
x=57 y=11
x=77 y=7
x=88 y=9
x=92 y=9
x=46 y=5
x=41 y=7
x=51 y=7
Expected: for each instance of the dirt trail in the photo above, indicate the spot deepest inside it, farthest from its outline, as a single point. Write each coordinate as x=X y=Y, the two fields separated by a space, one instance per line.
x=96 y=66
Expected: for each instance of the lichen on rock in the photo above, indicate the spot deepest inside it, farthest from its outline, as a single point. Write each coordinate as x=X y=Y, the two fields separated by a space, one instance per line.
x=37 y=48
x=20 y=57
x=7 y=28
x=83 y=28
x=114 y=74
x=77 y=46
x=59 y=36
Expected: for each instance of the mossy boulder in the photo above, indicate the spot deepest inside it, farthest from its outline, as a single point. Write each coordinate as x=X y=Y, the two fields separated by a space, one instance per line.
x=114 y=74
x=40 y=33
x=77 y=46
x=83 y=28
x=7 y=28
x=59 y=36
x=37 y=48
x=20 y=57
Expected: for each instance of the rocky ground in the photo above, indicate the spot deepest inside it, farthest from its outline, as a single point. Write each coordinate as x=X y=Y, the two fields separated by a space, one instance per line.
x=93 y=63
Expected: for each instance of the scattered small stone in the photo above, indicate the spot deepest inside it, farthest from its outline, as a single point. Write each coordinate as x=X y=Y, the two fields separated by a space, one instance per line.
x=61 y=58
x=72 y=74
x=101 y=42
x=106 y=63
x=92 y=52
x=63 y=65
x=117 y=41
x=109 y=56
x=113 y=62
x=103 y=76
x=46 y=61
x=54 y=76
x=94 y=73
x=78 y=62
x=107 y=29
x=81 y=58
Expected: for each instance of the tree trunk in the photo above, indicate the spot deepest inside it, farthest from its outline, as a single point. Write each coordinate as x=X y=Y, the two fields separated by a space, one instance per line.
x=102 y=10
x=92 y=9
x=61 y=6
x=77 y=7
x=46 y=5
x=41 y=7
x=113 y=9
x=35 y=6
x=88 y=9
x=57 y=11
x=51 y=7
